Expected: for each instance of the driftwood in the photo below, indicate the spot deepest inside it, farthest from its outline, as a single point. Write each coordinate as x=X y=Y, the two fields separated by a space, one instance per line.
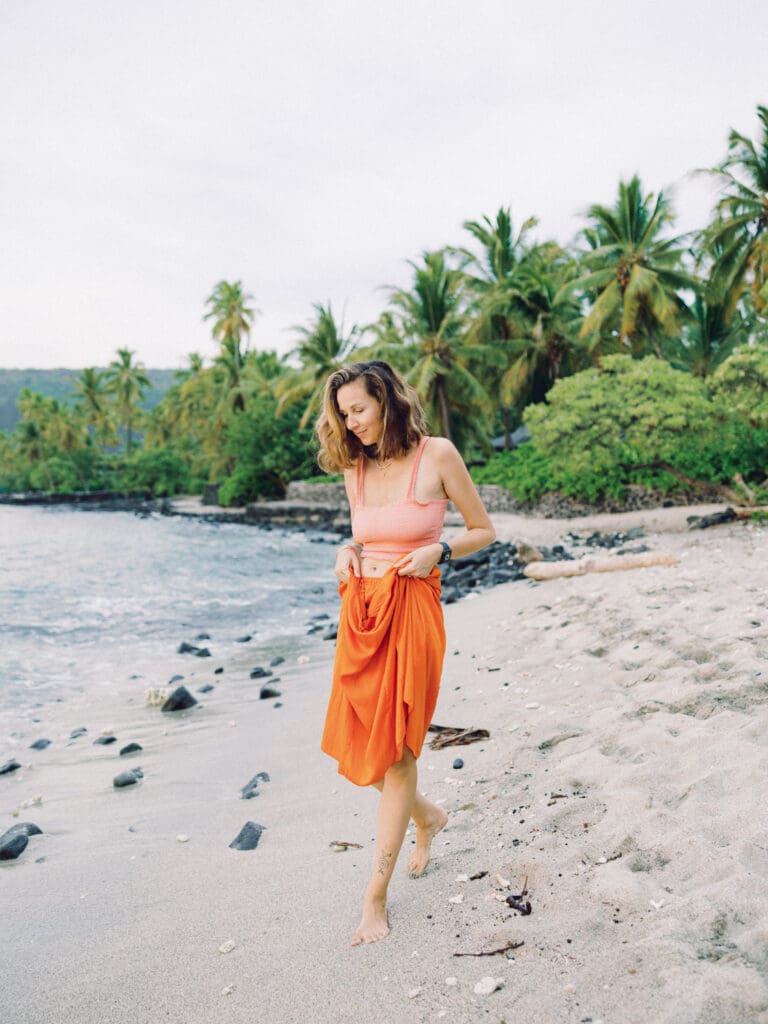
x=493 y=952
x=448 y=737
x=581 y=566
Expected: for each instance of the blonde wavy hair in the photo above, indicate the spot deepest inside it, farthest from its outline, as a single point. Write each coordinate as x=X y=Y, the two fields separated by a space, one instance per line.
x=404 y=421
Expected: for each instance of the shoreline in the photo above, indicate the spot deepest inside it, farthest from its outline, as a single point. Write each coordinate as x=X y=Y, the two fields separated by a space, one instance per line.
x=627 y=717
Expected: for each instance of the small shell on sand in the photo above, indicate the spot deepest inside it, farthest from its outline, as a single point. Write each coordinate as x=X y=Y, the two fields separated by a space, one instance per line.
x=487 y=985
x=302 y=659
x=228 y=990
x=457 y=899
x=503 y=882
x=414 y=992
x=181 y=838
x=227 y=947
x=451 y=981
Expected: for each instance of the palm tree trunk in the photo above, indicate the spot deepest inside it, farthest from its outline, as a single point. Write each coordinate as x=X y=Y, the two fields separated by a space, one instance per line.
x=443 y=410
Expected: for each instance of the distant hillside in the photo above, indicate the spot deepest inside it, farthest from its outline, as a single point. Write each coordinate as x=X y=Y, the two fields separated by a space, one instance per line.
x=60 y=384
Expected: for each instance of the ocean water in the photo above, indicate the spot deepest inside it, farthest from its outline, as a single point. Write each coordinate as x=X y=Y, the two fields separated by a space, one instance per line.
x=87 y=597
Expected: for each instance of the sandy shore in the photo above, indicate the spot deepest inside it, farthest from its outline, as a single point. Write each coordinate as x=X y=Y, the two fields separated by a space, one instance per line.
x=624 y=778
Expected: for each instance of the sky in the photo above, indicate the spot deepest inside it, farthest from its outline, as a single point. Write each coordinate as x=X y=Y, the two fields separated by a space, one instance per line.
x=310 y=150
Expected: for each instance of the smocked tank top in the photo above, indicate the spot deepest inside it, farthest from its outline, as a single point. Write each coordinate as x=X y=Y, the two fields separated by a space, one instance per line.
x=391 y=531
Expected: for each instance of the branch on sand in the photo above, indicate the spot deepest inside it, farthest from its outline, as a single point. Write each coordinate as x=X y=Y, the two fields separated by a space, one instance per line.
x=553 y=570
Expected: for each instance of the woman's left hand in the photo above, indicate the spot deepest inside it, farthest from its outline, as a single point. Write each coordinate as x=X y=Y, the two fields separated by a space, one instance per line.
x=420 y=562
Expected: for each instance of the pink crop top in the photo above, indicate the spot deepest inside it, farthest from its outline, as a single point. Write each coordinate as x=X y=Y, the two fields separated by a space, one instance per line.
x=391 y=531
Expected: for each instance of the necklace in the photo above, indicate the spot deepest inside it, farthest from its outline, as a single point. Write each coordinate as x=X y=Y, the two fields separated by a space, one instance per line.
x=383 y=464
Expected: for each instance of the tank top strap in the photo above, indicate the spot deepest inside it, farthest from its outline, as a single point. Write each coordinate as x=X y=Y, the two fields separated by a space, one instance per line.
x=416 y=462
x=359 y=488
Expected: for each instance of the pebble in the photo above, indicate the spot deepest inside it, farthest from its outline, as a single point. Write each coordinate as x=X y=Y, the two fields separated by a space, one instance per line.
x=228 y=990
x=569 y=989
x=181 y=838
x=9 y=766
x=451 y=982
x=128 y=778
x=302 y=659
x=179 y=700
x=503 y=882
x=487 y=985
x=39 y=744
x=414 y=992
x=227 y=947
x=458 y=763
x=532 y=705
x=248 y=837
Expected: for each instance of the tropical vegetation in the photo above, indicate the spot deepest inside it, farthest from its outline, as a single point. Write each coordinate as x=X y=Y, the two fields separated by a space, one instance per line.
x=632 y=355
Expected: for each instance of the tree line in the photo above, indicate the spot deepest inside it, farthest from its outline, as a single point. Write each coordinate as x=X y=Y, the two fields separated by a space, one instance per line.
x=484 y=332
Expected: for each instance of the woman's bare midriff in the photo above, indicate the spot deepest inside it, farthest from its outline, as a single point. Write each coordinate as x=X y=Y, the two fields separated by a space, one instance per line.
x=375 y=567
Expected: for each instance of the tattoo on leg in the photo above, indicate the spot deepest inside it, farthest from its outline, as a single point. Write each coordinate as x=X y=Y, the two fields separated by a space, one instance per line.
x=384 y=860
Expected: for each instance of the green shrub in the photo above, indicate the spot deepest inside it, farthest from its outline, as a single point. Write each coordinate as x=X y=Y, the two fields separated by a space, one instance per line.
x=596 y=425
x=525 y=472
x=159 y=472
x=740 y=384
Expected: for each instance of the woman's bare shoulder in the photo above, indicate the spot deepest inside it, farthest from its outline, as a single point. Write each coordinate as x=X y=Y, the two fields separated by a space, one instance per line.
x=442 y=450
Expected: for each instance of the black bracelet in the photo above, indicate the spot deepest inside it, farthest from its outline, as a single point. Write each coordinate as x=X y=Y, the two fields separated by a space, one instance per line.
x=447 y=554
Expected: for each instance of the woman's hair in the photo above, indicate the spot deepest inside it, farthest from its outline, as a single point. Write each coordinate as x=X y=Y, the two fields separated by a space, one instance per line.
x=403 y=418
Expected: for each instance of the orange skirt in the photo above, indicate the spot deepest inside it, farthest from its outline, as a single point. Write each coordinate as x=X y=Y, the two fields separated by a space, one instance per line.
x=386 y=676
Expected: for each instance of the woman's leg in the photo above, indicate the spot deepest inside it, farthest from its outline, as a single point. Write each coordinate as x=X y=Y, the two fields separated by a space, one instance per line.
x=429 y=820
x=398 y=790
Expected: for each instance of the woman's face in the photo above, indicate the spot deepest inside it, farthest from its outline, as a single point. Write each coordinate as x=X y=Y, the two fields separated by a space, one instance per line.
x=361 y=412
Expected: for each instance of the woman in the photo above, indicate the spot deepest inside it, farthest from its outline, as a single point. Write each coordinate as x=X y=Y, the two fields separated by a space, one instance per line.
x=391 y=642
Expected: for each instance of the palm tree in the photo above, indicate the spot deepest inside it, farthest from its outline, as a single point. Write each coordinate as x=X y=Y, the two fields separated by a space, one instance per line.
x=713 y=331
x=92 y=393
x=127 y=381
x=323 y=347
x=634 y=274
x=232 y=319
x=429 y=321
x=545 y=344
x=740 y=229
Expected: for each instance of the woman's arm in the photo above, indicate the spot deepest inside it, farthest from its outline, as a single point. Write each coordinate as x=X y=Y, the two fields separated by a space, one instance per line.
x=459 y=488
x=348 y=555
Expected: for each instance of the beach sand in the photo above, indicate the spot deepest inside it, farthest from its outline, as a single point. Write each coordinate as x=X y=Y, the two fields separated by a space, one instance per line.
x=624 y=778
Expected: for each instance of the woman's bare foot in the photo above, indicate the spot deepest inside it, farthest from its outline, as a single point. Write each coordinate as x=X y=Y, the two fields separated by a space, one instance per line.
x=425 y=833
x=374 y=924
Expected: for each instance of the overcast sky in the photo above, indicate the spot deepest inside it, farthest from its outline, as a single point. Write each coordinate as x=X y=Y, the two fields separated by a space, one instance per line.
x=150 y=148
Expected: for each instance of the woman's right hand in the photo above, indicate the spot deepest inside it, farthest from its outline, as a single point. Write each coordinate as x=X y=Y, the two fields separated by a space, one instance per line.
x=347 y=560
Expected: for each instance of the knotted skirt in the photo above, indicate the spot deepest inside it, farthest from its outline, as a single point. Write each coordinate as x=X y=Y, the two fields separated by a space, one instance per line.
x=386 y=675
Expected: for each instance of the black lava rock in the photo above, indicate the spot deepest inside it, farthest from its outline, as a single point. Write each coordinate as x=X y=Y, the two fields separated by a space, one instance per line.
x=174 y=679
x=218 y=671
x=104 y=741
x=244 y=639
x=206 y=688
x=179 y=700
x=497 y=563
x=128 y=778
x=277 y=660
x=81 y=731
x=267 y=692
x=25 y=828
x=199 y=652
x=458 y=763
x=8 y=767
x=251 y=789
x=261 y=673
x=132 y=748
x=13 y=846
x=331 y=633
x=716 y=519
x=39 y=744
x=248 y=837
x=203 y=636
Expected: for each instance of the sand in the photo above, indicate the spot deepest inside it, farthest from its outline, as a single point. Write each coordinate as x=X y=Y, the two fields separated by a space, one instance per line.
x=624 y=778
